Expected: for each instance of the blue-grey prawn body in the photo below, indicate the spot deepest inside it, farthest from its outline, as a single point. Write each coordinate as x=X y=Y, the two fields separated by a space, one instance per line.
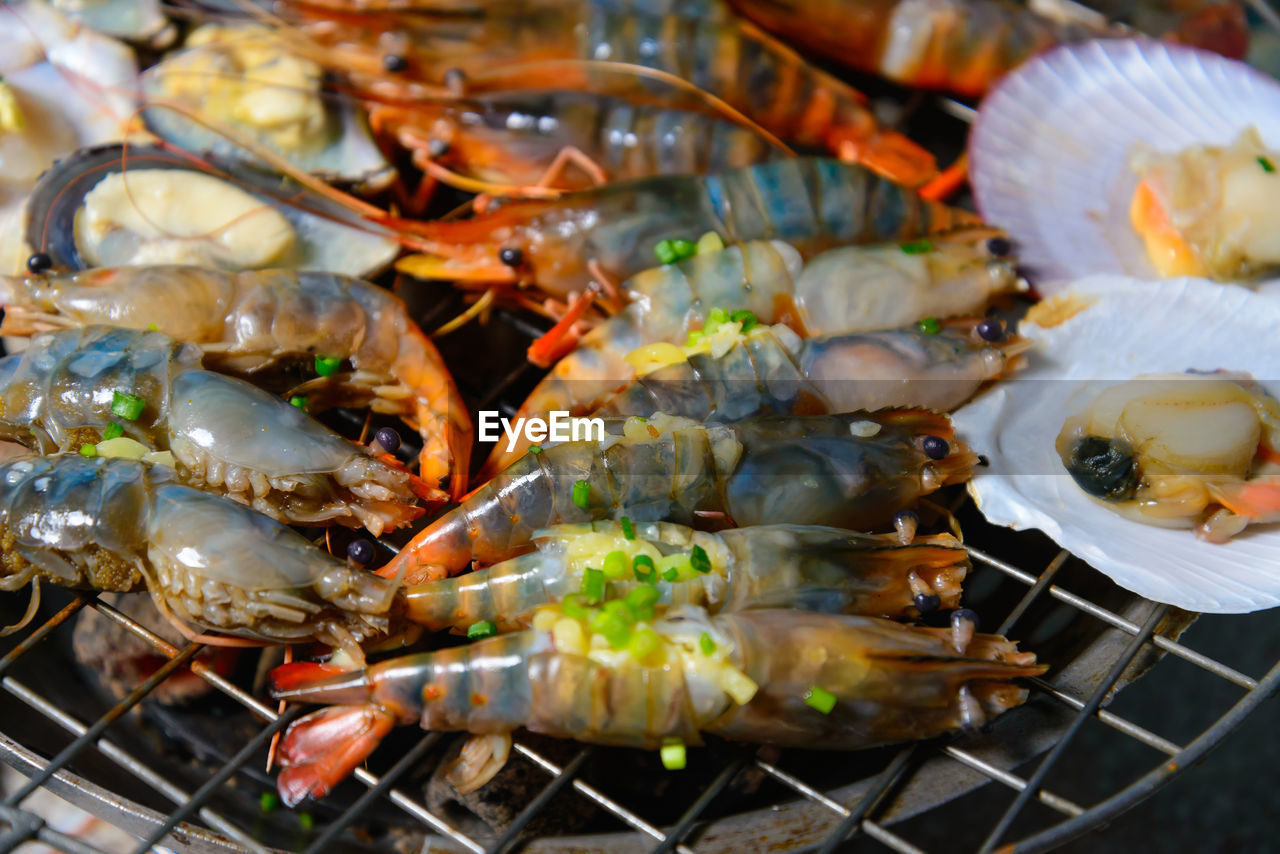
x=226 y=435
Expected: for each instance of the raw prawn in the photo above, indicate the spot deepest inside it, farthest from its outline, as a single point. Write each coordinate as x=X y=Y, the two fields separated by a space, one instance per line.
x=743 y=676
x=563 y=140
x=556 y=244
x=808 y=567
x=772 y=370
x=67 y=389
x=529 y=46
x=249 y=323
x=843 y=290
x=122 y=525
x=853 y=470
x=966 y=45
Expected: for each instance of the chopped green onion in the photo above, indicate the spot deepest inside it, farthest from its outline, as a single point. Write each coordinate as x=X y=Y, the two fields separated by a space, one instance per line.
x=88 y=450
x=151 y=327
x=305 y=819
x=1266 y=164
x=581 y=493
x=574 y=606
x=481 y=629
x=716 y=318
x=643 y=644
x=929 y=326
x=620 y=609
x=616 y=564
x=681 y=564
x=112 y=431
x=642 y=599
x=327 y=366
x=673 y=755
x=535 y=449
x=671 y=574
x=628 y=530
x=126 y=406
x=612 y=627
x=671 y=251
x=269 y=801
x=698 y=558
x=706 y=644
x=823 y=701
x=747 y=318
x=649 y=575
x=593 y=585
x=916 y=247
x=299 y=400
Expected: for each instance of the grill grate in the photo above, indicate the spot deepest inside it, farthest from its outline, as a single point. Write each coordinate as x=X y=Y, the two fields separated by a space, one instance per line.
x=1121 y=635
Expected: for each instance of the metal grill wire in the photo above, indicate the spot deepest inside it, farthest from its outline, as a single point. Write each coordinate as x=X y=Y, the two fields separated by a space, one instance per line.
x=18 y=826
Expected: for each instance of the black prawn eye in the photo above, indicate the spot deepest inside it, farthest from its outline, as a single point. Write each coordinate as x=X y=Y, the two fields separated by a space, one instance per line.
x=1105 y=468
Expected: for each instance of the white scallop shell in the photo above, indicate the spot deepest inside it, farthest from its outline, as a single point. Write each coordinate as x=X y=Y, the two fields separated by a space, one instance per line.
x=1131 y=328
x=1050 y=149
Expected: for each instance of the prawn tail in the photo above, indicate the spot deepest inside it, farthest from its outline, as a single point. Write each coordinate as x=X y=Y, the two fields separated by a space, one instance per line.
x=319 y=750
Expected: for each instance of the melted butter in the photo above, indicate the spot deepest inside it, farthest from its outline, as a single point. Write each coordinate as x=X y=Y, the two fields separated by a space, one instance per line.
x=173 y=216
x=246 y=75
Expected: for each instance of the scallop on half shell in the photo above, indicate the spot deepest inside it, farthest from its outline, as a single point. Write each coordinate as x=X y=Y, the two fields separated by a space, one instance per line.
x=1053 y=144
x=125 y=205
x=1103 y=331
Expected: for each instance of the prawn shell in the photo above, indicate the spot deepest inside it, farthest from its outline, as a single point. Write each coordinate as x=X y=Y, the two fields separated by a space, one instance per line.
x=1051 y=148
x=332 y=243
x=1125 y=331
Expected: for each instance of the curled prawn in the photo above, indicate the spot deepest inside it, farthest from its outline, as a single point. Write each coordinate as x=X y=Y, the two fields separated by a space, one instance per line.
x=66 y=390
x=258 y=323
x=124 y=526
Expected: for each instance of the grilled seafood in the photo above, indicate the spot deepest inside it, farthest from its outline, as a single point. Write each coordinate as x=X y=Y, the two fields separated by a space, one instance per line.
x=843 y=290
x=1180 y=451
x=1202 y=211
x=853 y=471
x=772 y=370
x=807 y=567
x=814 y=204
x=966 y=45
x=528 y=45
x=249 y=323
x=564 y=140
x=742 y=676
x=68 y=389
x=121 y=525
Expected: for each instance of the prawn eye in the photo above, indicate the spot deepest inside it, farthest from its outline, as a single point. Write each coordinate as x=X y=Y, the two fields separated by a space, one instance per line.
x=1000 y=247
x=1105 y=468
x=511 y=256
x=39 y=263
x=437 y=148
x=394 y=63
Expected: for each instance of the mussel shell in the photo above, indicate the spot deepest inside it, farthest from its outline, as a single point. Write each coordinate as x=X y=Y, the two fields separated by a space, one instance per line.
x=350 y=157
x=334 y=242
x=131 y=20
x=1050 y=151
x=1125 y=328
